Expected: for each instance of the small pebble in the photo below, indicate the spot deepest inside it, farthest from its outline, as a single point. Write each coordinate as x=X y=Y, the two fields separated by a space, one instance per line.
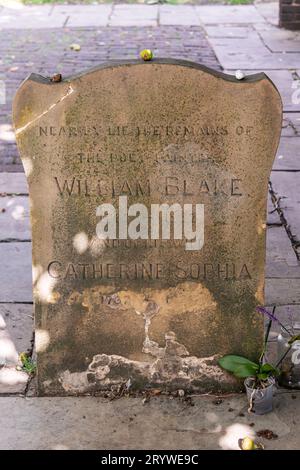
x=181 y=393
x=218 y=401
x=146 y=54
x=56 y=78
x=239 y=75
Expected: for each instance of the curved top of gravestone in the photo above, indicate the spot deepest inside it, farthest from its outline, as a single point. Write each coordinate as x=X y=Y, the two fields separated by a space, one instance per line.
x=184 y=77
x=177 y=62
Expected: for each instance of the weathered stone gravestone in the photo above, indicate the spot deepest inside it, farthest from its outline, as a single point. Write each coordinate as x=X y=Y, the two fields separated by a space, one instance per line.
x=148 y=189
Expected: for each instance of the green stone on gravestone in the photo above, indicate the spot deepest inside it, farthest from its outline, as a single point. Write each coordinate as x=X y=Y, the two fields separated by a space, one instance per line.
x=160 y=309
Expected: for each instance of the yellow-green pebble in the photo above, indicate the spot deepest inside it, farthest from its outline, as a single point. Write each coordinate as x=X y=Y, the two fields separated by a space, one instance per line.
x=248 y=444
x=146 y=54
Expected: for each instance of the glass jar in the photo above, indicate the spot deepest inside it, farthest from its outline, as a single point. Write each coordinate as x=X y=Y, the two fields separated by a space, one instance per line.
x=290 y=365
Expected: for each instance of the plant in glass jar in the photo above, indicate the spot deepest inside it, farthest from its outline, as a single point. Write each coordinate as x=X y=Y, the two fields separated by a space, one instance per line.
x=288 y=348
x=260 y=377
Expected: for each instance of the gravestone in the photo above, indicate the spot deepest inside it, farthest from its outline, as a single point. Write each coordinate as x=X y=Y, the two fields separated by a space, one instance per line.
x=148 y=188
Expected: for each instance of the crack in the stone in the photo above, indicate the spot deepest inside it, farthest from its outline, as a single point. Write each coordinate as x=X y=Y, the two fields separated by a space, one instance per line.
x=69 y=91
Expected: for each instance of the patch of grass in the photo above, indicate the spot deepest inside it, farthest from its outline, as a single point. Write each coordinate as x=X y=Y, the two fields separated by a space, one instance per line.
x=28 y=365
x=239 y=2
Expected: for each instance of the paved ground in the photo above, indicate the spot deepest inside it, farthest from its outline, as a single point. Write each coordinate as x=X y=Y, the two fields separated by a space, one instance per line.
x=241 y=37
x=127 y=423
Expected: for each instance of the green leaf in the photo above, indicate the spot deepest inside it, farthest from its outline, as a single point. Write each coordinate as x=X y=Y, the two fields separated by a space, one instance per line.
x=231 y=362
x=263 y=376
x=245 y=370
x=268 y=369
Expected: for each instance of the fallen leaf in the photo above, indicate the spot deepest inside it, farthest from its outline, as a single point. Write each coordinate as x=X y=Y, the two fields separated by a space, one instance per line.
x=267 y=434
x=75 y=47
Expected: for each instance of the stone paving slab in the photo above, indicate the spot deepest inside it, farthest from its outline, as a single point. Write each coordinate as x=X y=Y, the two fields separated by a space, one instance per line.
x=225 y=14
x=16 y=336
x=33 y=17
x=282 y=291
x=8 y=353
x=14 y=218
x=12 y=381
x=83 y=17
x=270 y=11
x=281 y=260
x=251 y=54
x=15 y=273
x=281 y=40
x=288 y=155
x=45 y=16
x=229 y=31
x=163 y=423
x=178 y=15
x=13 y=183
x=272 y=215
x=288 y=84
x=77 y=10
x=288 y=315
x=18 y=320
x=291 y=125
x=134 y=15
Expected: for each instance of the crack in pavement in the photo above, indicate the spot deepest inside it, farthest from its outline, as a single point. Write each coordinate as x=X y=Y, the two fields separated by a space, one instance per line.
x=276 y=203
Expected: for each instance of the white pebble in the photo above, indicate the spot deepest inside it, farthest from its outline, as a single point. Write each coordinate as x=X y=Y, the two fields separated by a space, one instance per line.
x=239 y=75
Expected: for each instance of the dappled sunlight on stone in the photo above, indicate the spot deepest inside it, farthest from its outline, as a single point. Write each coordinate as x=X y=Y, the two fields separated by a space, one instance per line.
x=27 y=164
x=42 y=340
x=12 y=4
x=213 y=424
x=233 y=433
x=7 y=133
x=18 y=212
x=44 y=288
x=8 y=352
x=2 y=323
x=81 y=242
x=36 y=273
x=261 y=228
x=11 y=376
